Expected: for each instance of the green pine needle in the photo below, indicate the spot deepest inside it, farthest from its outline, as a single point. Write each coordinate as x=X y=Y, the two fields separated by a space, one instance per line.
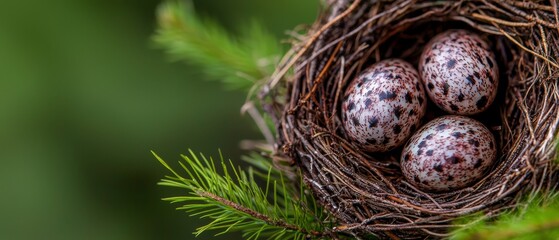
x=537 y=221
x=231 y=198
x=238 y=62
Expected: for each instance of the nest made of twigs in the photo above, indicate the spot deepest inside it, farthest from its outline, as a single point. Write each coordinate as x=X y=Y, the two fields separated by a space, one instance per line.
x=367 y=192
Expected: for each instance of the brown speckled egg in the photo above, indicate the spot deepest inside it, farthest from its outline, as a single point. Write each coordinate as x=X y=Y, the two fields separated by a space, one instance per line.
x=448 y=153
x=383 y=106
x=459 y=72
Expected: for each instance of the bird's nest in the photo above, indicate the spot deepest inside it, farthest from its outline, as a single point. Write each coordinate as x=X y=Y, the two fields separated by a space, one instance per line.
x=367 y=192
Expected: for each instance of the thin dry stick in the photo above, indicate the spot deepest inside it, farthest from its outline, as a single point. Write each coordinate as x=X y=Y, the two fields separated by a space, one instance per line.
x=554 y=4
x=322 y=73
x=527 y=16
x=502 y=22
x=259 y=120
x=528 y=50
x=532 y=6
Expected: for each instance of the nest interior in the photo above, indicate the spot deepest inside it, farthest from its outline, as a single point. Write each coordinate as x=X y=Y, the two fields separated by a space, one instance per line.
x=366 y=192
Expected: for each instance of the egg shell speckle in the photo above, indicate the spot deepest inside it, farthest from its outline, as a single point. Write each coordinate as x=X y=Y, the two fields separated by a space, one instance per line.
x=459 y=72
x=383 y=106
x=448 y=153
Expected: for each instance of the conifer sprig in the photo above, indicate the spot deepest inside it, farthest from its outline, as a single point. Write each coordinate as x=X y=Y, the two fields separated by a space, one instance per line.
x=232 y=199
x=238 y=62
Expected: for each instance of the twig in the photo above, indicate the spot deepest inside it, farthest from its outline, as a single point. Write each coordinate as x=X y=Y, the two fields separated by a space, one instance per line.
x=316 y=82
x=260 y=216
x=502 y=22
x=528 y=50
x=259 y=120
x=532 y=5
x=526 y=16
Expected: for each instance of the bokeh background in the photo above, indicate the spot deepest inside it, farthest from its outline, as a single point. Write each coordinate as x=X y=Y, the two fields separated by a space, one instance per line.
x=84 y=97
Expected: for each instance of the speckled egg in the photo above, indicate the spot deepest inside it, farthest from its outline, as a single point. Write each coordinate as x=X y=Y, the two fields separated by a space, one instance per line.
x=459 y=72
x=383 y=105
x=448 y=153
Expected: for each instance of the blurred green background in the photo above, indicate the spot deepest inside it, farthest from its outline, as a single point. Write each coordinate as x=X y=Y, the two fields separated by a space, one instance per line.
x=85 y=96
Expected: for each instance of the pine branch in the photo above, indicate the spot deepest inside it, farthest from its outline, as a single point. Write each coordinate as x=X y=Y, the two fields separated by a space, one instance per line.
x=262 y=217
x=537 y=221
x=238 y=62
x=234 y=201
